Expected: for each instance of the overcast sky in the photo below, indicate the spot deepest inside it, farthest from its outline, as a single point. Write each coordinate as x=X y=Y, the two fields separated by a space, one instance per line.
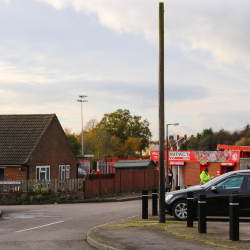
x=51 y=51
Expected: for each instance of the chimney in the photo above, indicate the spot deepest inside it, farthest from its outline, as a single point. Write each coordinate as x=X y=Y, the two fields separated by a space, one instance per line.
x=185 y=137
x=171 y=137
x=178 y=137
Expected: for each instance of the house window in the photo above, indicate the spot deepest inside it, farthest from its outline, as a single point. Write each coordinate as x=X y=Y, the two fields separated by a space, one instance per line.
x=64 y=172
x=67 y=171
x=43 y=172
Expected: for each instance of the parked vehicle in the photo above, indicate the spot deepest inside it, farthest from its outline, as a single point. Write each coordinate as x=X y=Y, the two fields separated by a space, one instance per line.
x=217 y=193
x=82 y=171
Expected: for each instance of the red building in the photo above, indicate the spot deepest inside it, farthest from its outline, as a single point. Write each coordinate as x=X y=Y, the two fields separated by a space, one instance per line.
x=187 y=165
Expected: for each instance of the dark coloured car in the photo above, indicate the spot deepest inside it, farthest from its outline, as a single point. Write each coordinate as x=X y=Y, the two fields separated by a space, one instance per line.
x=217 y=193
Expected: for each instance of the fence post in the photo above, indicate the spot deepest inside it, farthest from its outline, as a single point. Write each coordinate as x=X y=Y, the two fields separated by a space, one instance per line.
x=120 y=181
x=154 y=202
x=234 y=218
x=144 y=204
x=100 y=187
x=144 y=179
x=190 y=209
x=133 y=180
x=202 y=223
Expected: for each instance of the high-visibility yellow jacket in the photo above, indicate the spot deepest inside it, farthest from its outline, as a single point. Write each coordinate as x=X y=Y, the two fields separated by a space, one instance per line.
x=204 y=177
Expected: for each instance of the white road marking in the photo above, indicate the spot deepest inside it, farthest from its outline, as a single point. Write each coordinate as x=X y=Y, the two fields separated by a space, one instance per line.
x=38 y=227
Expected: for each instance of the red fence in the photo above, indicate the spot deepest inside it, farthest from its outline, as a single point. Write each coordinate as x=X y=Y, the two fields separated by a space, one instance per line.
x=125 y=181
x=94 y=177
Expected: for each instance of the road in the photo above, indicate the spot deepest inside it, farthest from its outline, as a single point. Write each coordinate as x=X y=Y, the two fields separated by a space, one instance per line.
x=58 y=226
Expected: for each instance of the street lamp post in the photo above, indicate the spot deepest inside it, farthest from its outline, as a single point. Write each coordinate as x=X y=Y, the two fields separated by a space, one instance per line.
x=175 y=124
x=81 y=101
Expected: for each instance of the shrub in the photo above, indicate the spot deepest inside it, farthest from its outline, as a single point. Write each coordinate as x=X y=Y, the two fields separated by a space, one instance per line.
x=39 y=197
x=44 y=191
x=37 y=190
x=31 y=199
x=23 y=198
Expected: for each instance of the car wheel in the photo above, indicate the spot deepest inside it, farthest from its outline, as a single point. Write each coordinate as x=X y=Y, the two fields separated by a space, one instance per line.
x=180 y=210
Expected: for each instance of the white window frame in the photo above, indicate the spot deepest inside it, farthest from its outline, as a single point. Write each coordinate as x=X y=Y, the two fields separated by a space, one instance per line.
x=67 y=171
x=61 y=170
x=40 y=171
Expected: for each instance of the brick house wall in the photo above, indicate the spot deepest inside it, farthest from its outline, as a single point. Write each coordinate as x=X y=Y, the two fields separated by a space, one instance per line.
x=53 y=149
x=13 y=173
x=192 y=171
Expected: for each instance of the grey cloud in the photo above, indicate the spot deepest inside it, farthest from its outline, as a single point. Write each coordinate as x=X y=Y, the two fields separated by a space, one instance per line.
x=138 y=94
x=230 y=120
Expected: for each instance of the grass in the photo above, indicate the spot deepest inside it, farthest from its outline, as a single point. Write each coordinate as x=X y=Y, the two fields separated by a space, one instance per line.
x=203 y=241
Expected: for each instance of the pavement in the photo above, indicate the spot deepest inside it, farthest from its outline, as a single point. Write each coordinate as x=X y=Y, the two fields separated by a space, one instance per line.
x=135 y=233
x=58 y=226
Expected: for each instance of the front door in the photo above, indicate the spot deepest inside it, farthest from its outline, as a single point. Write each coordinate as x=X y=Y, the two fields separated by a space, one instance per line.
x=226 y=169
x=1 y=174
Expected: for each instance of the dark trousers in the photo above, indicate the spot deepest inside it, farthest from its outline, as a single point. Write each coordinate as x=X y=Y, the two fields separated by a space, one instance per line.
x=170 y=181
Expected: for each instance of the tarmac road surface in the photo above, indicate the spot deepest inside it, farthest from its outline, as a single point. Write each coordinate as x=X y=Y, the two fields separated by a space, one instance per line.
x=61 y=226
x=65 y=226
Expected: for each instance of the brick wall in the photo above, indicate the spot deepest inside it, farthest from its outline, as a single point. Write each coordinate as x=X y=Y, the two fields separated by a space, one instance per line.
x=192 y=173
x=13 y=173
x=53 y=149
x=193 y=169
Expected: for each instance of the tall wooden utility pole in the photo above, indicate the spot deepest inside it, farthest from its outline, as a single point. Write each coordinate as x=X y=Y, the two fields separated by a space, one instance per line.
x=161 y=115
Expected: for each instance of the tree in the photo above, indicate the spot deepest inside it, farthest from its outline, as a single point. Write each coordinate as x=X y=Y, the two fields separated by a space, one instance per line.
x=122 y=125
x=243 y=142
x=116 y=148
x=93 y=164
x=73 y=140
x=91 y=124
x=90 y=142
x=104 y=143
x=132 y=145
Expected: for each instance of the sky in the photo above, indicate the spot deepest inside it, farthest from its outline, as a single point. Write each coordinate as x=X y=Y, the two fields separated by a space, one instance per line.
x=52 y=51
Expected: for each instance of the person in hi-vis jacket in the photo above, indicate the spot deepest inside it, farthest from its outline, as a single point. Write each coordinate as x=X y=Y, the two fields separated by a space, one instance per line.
x=205 y=177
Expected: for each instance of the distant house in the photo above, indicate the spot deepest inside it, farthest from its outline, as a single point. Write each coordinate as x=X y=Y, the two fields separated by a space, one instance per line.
x=155 y=148
x=135 y=165
x=173 y=144
x=35 y=147
x=147 y=150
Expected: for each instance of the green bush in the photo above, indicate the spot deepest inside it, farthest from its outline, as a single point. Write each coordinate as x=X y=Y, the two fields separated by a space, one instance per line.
x=23 y=198
x=31 y=199
x=44 y=191
x=93 y=164
x=37 y=190
x=40 y=197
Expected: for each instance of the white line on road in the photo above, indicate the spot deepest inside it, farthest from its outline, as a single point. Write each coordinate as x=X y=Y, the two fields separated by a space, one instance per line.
x=38 y=227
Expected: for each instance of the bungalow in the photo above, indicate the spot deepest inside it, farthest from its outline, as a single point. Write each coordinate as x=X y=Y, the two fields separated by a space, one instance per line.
x=35 y=147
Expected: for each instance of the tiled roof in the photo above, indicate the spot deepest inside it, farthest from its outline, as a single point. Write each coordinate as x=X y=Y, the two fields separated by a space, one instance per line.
x=134 y=163
x=19 y=134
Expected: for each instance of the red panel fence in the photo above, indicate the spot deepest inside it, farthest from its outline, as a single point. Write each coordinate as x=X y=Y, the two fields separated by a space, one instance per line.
x=125 y=181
